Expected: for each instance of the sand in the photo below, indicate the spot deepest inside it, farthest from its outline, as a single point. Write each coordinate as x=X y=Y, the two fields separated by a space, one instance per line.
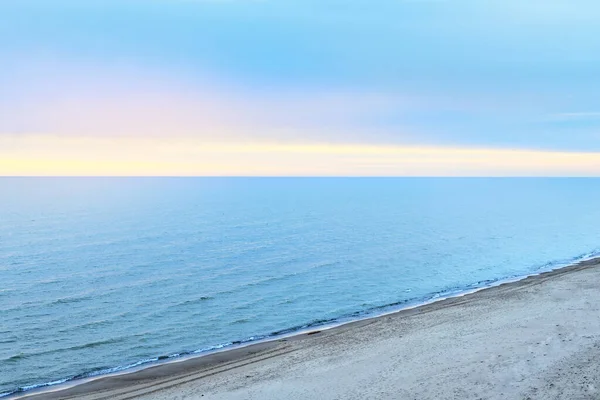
x=538 y=338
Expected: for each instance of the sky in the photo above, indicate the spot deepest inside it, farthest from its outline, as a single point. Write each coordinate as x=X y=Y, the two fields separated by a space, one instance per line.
x=300 y=87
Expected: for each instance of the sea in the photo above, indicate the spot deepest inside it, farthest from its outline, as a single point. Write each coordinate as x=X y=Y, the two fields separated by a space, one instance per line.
x=99 y=275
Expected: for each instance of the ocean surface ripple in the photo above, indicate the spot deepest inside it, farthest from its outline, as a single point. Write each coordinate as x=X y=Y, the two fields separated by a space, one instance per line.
x=103 y=274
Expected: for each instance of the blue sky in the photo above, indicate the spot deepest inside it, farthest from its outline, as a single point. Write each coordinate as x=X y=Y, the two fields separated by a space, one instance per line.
x=507 y=75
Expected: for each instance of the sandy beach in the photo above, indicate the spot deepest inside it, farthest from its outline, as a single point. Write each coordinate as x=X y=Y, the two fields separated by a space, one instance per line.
x=538 y=338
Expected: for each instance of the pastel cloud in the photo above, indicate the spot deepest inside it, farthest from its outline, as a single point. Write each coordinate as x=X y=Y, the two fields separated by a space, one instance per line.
x=578 y=115
x=66 y=155
x=116 y=100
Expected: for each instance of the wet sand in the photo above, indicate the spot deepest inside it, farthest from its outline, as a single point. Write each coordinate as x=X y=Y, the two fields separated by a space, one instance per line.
x=538 y=338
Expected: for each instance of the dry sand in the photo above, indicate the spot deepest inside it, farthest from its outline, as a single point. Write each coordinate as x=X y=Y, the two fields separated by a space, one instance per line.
x=538 y=338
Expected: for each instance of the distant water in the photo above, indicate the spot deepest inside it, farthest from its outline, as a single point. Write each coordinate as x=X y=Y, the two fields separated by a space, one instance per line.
x=99 y=274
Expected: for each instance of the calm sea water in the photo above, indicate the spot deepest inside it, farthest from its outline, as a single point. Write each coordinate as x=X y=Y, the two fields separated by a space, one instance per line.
x=97 y=274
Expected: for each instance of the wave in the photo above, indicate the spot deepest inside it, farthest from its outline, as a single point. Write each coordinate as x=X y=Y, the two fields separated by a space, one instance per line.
x=71 y=299
x=87 y=325
x=271 y=279
x=197 y=300
x=16 y=357
x=38 y=303
x=89 y=345
x=317 y=323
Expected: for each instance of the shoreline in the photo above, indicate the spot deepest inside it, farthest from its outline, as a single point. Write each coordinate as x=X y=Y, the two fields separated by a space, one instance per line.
x=159 y=376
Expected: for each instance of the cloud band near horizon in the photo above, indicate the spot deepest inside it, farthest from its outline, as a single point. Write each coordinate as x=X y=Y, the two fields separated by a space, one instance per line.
x=45 y=155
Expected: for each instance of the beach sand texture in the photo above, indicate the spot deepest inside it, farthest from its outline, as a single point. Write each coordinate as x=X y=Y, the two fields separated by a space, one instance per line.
x=538 y=338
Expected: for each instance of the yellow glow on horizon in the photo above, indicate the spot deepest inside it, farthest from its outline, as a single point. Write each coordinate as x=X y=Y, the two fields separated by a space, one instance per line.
x=46 y=155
